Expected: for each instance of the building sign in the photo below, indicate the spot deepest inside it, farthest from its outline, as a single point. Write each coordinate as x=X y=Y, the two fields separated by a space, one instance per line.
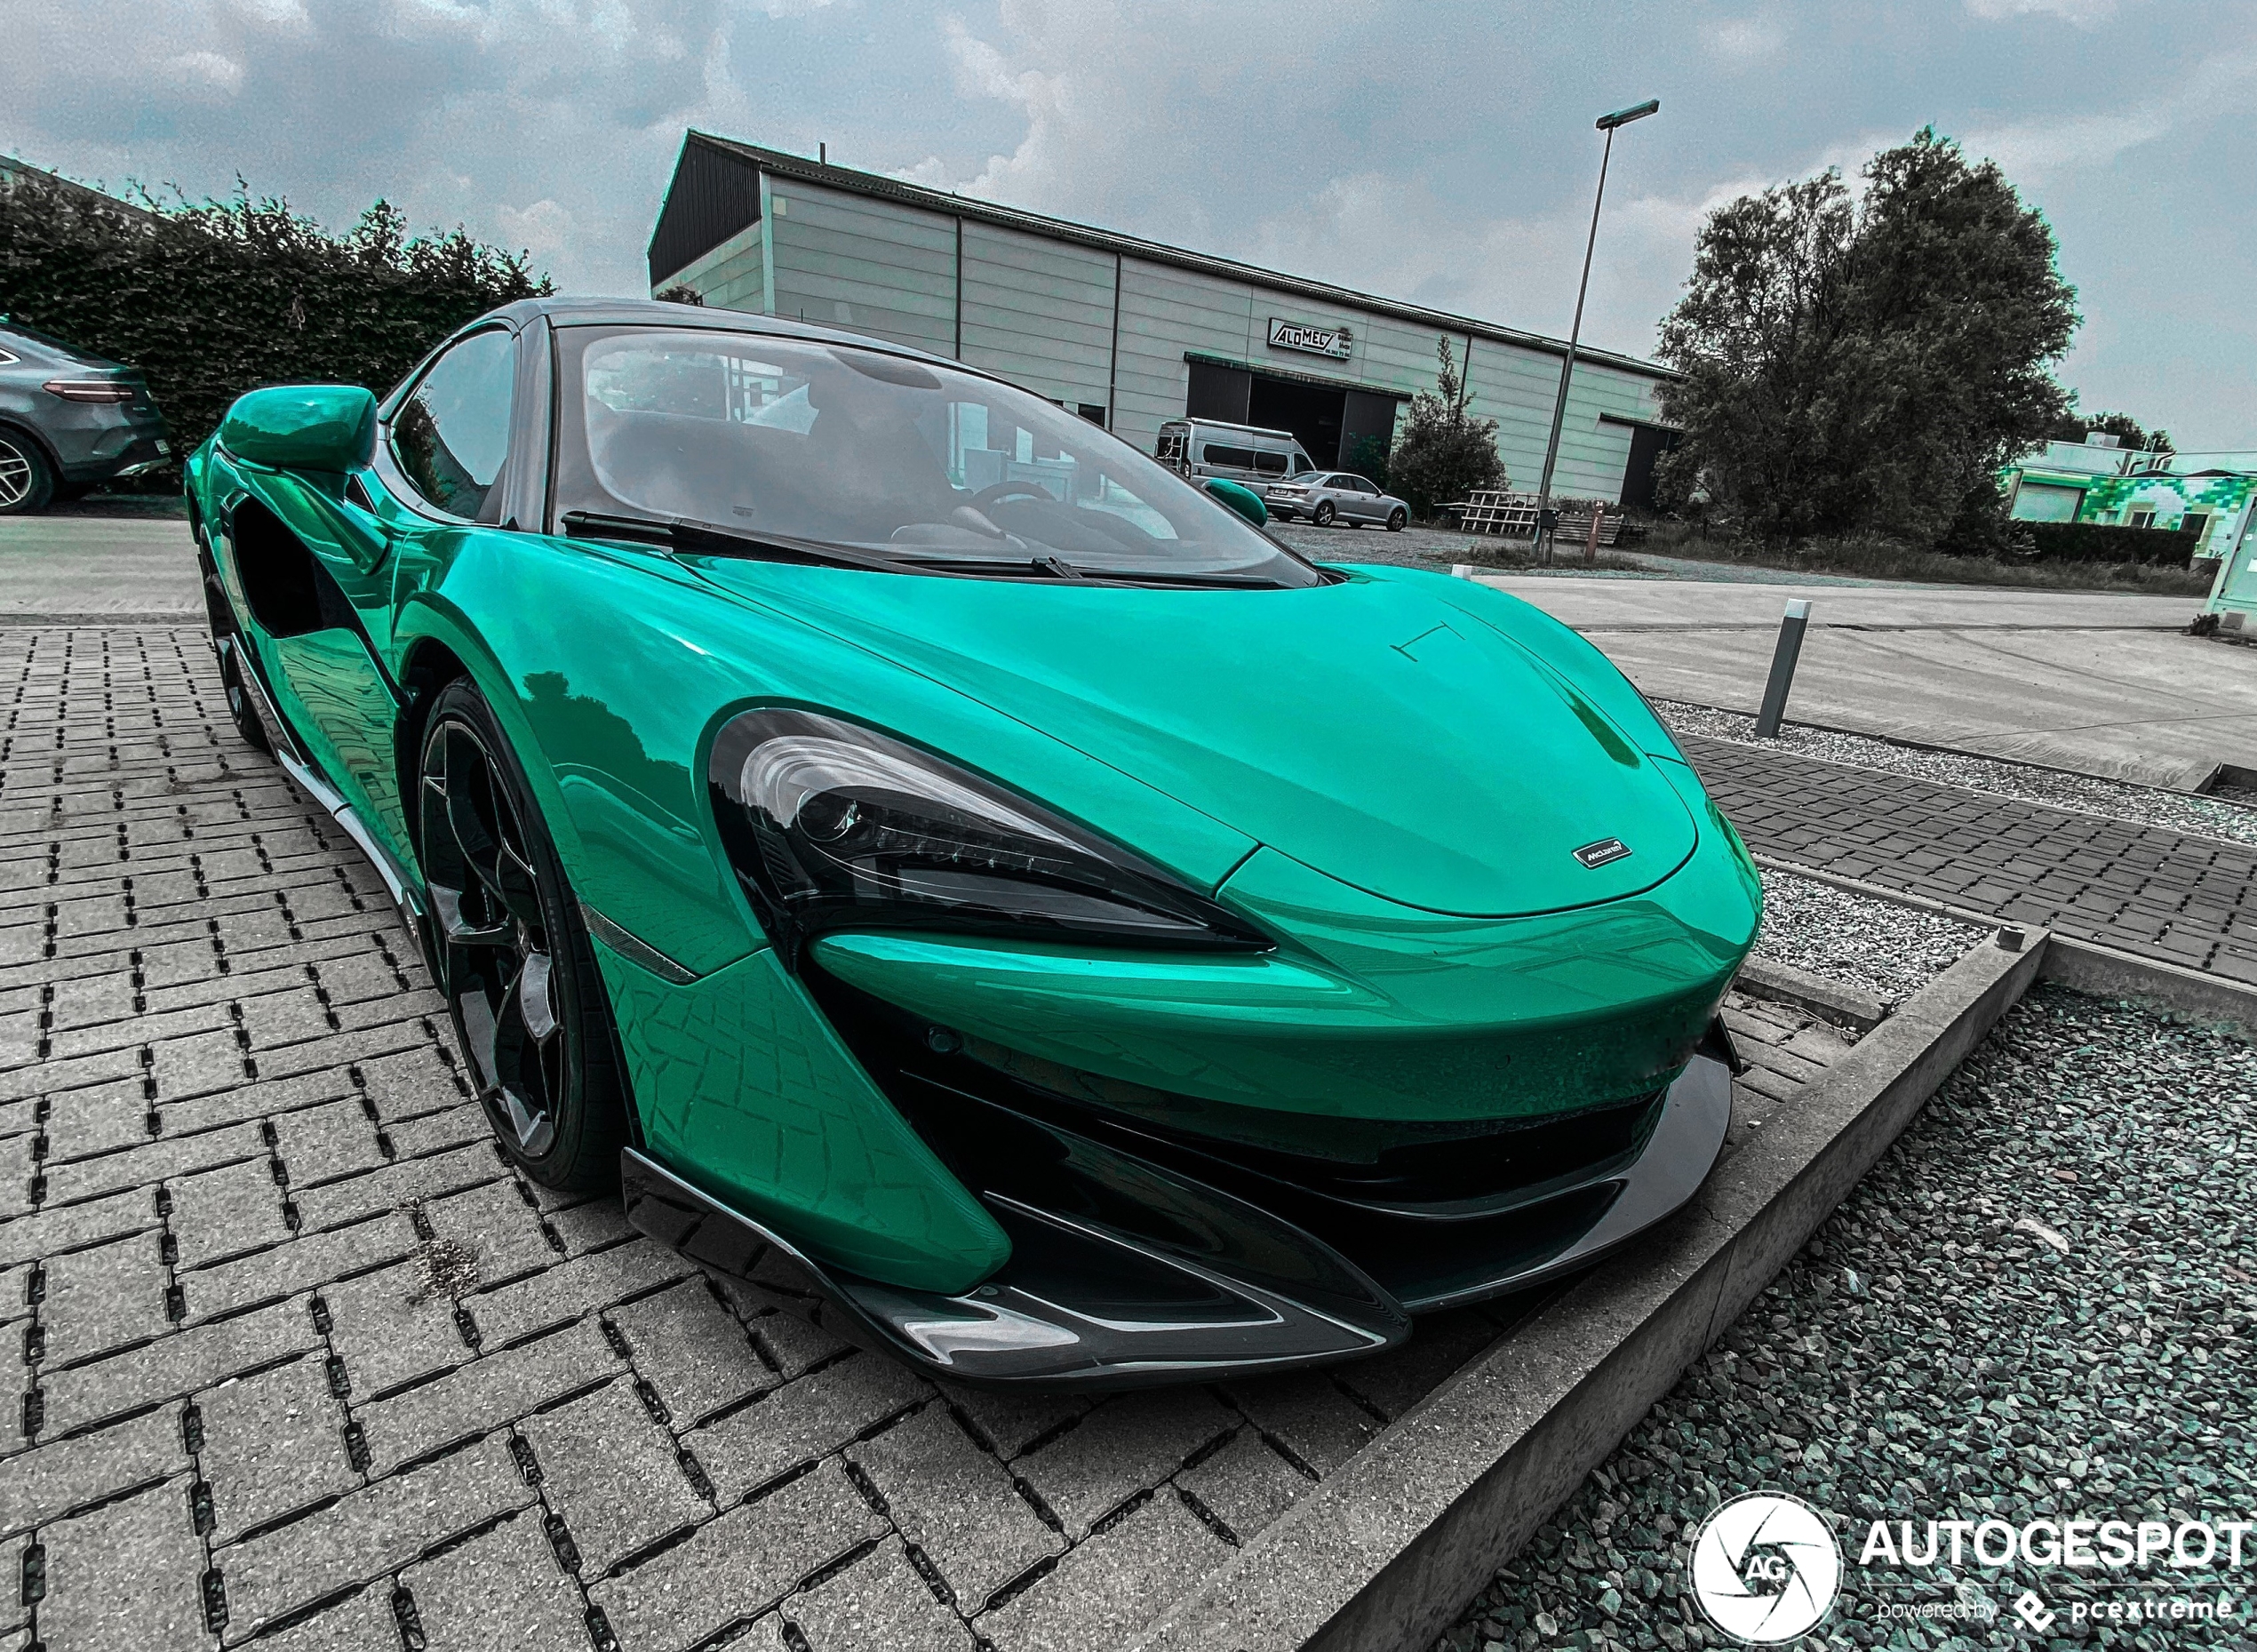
x=1293 y=335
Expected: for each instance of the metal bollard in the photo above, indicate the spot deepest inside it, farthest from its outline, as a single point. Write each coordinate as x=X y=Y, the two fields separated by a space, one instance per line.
x=1783 y=668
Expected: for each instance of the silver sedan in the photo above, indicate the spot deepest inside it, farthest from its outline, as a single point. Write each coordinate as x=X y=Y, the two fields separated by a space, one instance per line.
x=1324 y=497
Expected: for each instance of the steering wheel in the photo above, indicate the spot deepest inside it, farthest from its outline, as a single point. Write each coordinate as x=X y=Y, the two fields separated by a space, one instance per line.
x=996 y=492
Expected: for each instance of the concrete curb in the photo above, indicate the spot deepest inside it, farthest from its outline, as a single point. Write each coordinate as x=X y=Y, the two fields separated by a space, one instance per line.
x=1386 y=1552
x=1784 y=984
x=2084 y=966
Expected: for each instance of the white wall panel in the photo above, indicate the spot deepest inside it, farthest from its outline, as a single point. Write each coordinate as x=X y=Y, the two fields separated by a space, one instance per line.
x=873 y=266
x=1039 y=312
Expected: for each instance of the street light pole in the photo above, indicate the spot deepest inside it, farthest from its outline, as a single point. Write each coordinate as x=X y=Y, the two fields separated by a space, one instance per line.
x=1606 y=124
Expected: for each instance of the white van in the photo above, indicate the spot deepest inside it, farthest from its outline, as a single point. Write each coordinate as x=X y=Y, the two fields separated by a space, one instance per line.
x=1246 y=453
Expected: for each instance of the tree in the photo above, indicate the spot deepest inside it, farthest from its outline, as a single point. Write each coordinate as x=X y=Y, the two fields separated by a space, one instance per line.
x=1443 y=452
x=680 y=292
x=1869 y=364
x=215 y=299
x=2127 y=431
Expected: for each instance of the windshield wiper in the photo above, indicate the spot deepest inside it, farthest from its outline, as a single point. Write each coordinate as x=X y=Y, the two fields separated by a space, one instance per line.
x=682 y=533
x=1169 y=576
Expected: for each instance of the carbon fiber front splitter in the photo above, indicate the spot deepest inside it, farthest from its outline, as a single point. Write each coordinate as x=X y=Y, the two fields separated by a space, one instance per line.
x=1124 y=1273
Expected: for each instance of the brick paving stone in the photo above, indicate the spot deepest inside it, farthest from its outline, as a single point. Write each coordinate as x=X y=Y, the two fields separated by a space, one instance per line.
x=396 y=1185
x=360 y=1623
x=322 y=1143
x=590 y=1226
x=1246 y=1485
x=155 y=1161
x=808 y=1418
x=127 y=1575
x=1397 y=1379
x=2067 y=870
x=367 y=1532
x=301 y=1265
x=484 y=1395
x=879 y=1604
x=273 y=1443
x=494 y=1226
x=176 y=1364
x=436 y=1131
x=795 y=1344
x=103 y=1298
x=1107 y=1588
x=1011 y=1419
x=612 y=1472
x=502 y=1592
x=1308 y=1415
x=83 y=1123
x=574 y=1288
x=736 y=1567
x=692 y=1351
x=410 y=1081
x=226 y=1212
x=954 y=1502
x=1123 y=1446
x=390 y=1328
x=50 y=1480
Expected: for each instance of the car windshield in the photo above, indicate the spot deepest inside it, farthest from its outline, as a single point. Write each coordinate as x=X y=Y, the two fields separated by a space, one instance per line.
x=914 y=463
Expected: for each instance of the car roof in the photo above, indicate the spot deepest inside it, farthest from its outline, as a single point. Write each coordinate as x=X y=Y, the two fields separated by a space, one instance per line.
x=13 y=332
x=595 y=312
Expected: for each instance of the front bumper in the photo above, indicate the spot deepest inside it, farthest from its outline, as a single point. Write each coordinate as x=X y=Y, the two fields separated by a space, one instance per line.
x=1126 y=1272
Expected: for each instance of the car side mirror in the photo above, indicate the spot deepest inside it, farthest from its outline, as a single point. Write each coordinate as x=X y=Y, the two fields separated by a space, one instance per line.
x=302 y=426
x=1244 y=500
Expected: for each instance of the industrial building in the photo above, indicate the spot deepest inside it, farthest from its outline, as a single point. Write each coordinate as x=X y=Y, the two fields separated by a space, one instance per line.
x=1129 y=332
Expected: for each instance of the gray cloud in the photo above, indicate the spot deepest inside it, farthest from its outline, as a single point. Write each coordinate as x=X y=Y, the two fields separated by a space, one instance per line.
x=1440 y=151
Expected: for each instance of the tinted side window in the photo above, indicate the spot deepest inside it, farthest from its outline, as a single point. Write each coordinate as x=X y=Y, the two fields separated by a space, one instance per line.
x=1236 y=458
x=1269 y=464
x=452 y=433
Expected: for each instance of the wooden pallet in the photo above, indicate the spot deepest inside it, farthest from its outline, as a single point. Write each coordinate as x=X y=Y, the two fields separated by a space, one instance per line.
x=1513 y=517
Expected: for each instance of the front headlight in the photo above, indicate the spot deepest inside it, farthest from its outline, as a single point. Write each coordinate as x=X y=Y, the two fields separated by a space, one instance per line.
x=833 y=826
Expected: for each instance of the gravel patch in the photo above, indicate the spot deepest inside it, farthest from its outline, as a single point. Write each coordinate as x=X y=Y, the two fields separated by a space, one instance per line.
x=2226 y=819
x=2039 y=1305
x=1888 y=950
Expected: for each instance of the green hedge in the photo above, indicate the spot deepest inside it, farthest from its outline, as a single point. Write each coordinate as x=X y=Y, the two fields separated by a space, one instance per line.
x=2098 y=542
x=212 y=300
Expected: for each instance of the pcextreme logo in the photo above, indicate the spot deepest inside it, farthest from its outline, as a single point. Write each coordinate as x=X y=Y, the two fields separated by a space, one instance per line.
x=1765 y=1568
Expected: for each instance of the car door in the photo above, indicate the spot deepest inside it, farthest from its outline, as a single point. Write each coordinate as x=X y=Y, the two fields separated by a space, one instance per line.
x=1362 y=501
x=440 y=454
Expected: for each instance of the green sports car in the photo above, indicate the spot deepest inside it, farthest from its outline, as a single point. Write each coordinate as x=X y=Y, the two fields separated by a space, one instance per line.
x=952 y=868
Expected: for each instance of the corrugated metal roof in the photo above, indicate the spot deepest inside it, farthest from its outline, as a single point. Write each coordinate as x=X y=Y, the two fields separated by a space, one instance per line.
x=842 y=177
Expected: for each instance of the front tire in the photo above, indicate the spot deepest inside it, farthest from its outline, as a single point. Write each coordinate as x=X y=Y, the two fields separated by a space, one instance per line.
x=1323 y=514
x=517 y=970
x=27 y=481
x=1396 y=519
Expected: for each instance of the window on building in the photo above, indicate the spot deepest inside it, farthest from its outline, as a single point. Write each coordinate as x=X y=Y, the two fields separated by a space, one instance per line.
x=2195 y=521
x=2139 y=519
x=1094 y=411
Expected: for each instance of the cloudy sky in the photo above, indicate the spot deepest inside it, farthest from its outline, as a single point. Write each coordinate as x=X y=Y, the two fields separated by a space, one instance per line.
x=1437 y=150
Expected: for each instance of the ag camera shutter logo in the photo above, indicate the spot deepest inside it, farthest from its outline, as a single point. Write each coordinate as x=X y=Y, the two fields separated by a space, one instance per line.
x=1765 y=1568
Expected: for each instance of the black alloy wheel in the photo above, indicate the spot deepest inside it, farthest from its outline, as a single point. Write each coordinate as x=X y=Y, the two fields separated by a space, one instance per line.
x=1396 y=519
x=227 y=645
x=233 y=681
x=1323 y=514
x=27 y=481
x=519 y=975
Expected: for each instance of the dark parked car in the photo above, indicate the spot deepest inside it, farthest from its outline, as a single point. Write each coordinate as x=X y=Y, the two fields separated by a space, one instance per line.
x=68 y=420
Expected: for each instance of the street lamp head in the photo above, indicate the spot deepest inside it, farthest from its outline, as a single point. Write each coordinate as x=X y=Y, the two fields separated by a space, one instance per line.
x=1624 y=117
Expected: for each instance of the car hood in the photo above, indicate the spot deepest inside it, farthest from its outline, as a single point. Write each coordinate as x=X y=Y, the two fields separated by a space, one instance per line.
x=1366 y=729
